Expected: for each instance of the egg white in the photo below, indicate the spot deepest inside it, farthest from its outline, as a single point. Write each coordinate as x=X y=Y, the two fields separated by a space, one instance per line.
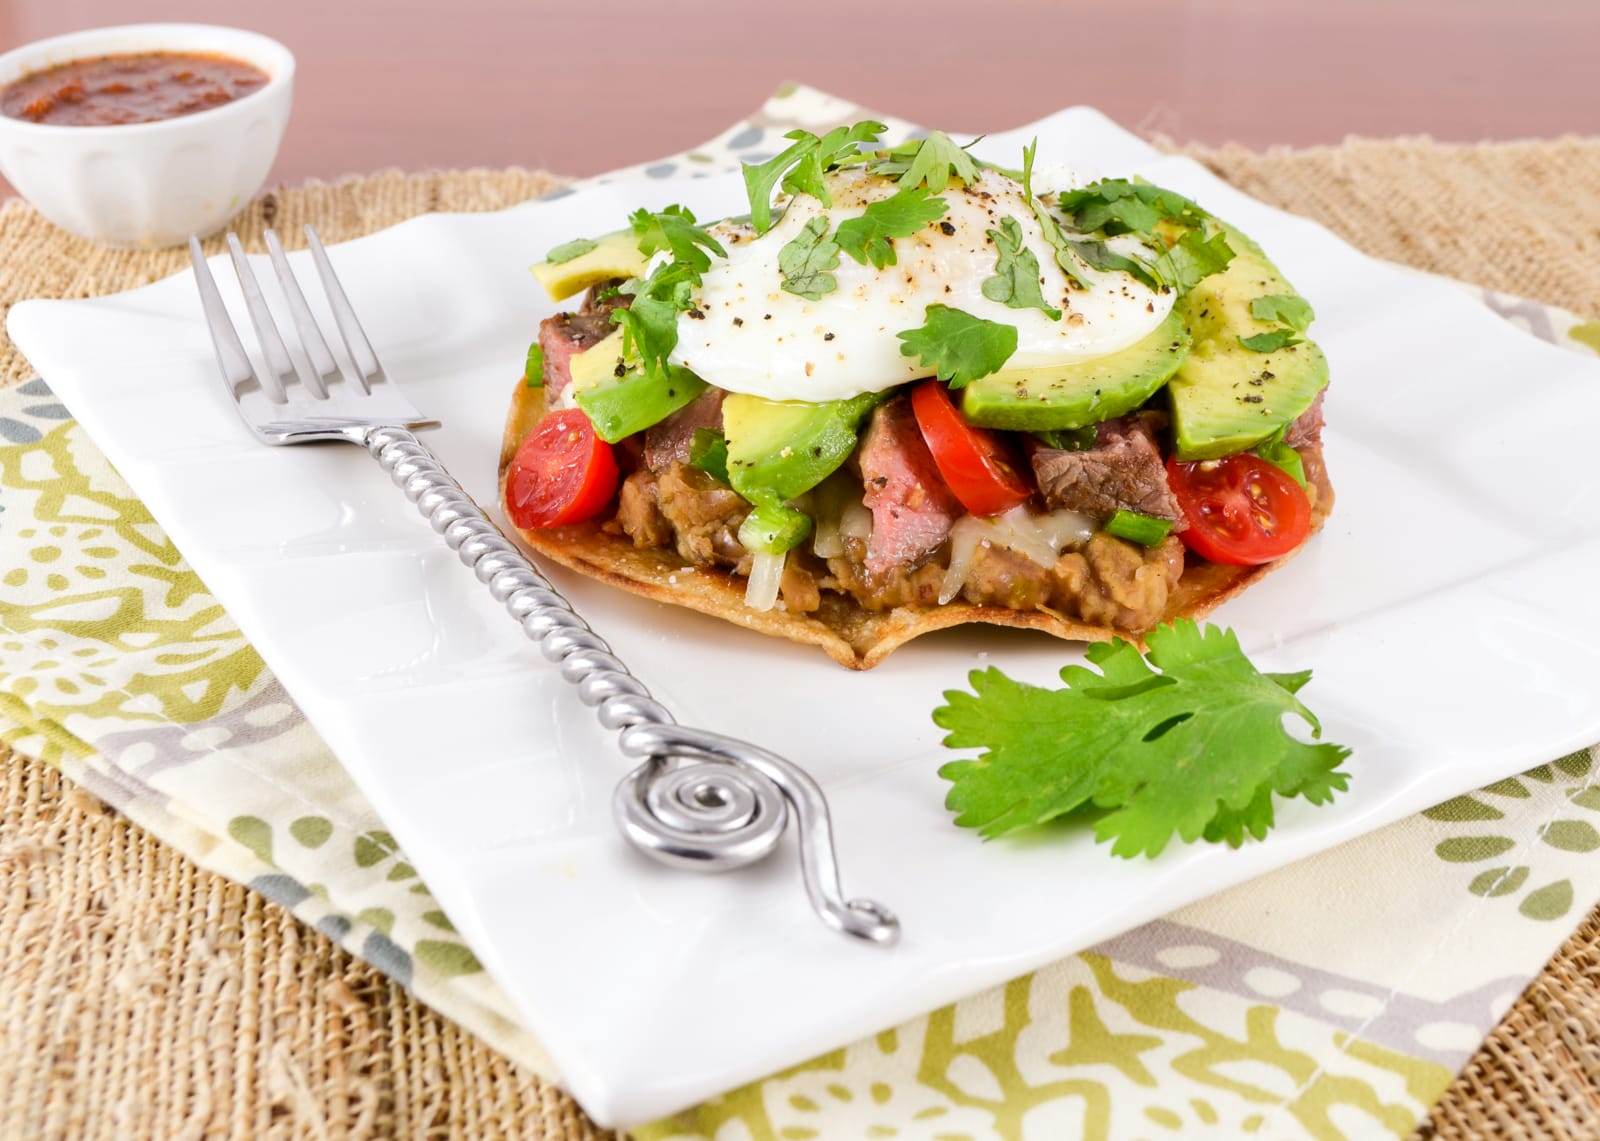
x=746 y=334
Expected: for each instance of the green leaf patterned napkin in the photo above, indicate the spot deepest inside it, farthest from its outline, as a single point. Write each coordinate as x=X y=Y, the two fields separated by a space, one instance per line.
x=1335 y=997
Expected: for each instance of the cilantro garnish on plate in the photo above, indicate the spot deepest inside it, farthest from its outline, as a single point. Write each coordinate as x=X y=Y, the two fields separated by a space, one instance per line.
x=1195 y=747
x=959 y=347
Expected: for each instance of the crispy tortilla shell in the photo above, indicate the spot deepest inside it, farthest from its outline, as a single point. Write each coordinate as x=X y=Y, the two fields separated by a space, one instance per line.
x=847 y=632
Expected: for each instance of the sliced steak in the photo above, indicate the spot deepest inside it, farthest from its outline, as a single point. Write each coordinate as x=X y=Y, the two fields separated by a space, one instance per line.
x=562 y=337
x=1307 y=430
x=603 y=298
x=668 y=442
x=1122 y=472
x=912 y=509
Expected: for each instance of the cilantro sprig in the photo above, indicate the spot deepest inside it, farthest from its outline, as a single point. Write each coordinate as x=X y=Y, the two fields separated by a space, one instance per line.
x=1195 y=750
x=1121 y=206
x=1292 y=313
x=1015 y=283
x=1284 y=308
x=1097 y=255
x=1270 y=341
x=650 y=324
x=959 y=347
x=1065 y=256
x=674 y=229
x=1193 y=258
x=869 y=236
x=807 y=259
x=800 y=167
x=934 y=162
x=1192 y=248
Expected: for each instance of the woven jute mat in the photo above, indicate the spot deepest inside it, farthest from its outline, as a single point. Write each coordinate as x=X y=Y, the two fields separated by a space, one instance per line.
x=142 y=997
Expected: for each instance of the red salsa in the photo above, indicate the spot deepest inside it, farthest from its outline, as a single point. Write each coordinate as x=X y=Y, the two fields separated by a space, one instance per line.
x=111 y=89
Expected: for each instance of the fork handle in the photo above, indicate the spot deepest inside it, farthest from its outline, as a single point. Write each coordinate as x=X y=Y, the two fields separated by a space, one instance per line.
x=699 y=799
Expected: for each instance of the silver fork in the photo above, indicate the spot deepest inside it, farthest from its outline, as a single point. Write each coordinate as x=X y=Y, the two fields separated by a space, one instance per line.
x=699 y=799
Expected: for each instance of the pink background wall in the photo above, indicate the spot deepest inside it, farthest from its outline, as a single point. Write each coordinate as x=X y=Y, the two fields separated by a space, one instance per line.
x=582 y=85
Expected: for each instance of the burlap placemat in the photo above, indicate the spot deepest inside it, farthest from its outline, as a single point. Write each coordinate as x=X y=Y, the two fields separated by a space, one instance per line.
x=129 y=977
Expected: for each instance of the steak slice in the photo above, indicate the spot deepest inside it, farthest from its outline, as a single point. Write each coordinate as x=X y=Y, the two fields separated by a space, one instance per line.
x=566 y=334
x=668 y=442
x=1122 y=472
x=1306 y=431
x=912 y=509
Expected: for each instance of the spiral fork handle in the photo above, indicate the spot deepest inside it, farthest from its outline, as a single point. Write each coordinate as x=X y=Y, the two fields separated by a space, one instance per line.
x=698 y=799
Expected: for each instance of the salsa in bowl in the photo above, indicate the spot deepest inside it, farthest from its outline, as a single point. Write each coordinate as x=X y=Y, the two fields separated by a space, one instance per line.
x=144 y=134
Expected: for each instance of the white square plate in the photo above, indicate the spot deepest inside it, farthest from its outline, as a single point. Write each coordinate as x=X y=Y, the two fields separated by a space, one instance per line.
x=1447 y=610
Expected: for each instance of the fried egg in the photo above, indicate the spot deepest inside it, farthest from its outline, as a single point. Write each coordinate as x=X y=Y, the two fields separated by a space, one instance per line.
x=747 y=334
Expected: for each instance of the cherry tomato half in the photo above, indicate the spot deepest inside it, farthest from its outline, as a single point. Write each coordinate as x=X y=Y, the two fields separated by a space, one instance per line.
x=1241 y=510
x=563 y=473
x=972 y=461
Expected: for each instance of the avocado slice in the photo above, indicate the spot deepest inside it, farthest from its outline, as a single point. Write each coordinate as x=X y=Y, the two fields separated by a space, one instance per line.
x=778 y=449
x=614 y=255
x=1075 y=395
x=619 y=406
x=1227 y=398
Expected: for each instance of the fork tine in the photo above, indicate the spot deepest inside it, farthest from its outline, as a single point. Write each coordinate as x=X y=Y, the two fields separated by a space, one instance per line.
x=231 y=357
x=311 y=339
x=279 y=363
x=344 y=314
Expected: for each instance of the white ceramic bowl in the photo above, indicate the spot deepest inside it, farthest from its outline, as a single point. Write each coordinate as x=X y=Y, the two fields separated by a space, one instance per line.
x=149 y=184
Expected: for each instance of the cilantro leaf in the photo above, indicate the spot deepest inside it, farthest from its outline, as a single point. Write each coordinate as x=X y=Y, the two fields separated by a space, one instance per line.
x=1121 y=206
x=959 y=347
x=1097 y=255
x=1193 y=258
x=650 y=324
x=934 y=162
x=834 y=149
x=1279 y=454
x=566 y=251
x=674 y=229
x=1015 y=283
x=800 y=166
x=1197 y=749
x=1065 y=258
x=1285 y=309
x=806 y=260
x=1271 y=341
x=868 y=236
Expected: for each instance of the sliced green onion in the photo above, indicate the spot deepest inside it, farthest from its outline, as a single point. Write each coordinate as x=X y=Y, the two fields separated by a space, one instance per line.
x=772 y=528
x=1136 y=528
x=708 y=451
x=533 y=371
